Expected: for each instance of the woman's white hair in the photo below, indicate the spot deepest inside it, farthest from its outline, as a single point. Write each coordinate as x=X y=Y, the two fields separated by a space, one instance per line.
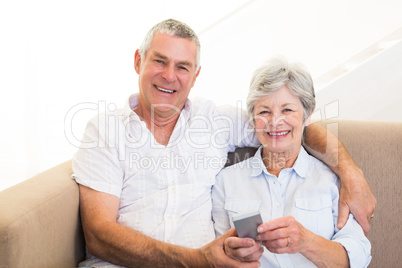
x=173 y=28
x=276 y=73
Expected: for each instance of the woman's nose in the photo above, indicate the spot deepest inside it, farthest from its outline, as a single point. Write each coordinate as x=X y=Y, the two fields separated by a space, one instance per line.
x=276 y=119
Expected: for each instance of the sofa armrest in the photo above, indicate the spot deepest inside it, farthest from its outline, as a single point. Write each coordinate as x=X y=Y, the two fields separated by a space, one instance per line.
x=39 y=221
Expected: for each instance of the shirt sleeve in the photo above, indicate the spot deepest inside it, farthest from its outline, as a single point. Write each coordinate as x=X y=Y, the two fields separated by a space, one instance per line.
x=219 y=214
x=356 y=244
x=351 y=236
x=96 y=163
x=236 y=122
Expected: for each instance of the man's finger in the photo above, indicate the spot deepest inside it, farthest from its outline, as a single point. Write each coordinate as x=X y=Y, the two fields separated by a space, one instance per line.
x=231 y=232
x=364 y=223
x=236 y=242
x=362 y=216
x=343 y=215
x=243 y=249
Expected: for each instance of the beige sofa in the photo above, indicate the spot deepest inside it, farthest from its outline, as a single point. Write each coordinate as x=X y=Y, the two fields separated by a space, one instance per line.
x=40 y=224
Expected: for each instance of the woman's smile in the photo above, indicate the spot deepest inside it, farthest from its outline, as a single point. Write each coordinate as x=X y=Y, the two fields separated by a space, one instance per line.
x=278 y=134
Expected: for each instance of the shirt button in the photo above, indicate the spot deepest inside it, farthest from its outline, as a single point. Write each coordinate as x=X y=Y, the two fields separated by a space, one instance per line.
x=278 y=204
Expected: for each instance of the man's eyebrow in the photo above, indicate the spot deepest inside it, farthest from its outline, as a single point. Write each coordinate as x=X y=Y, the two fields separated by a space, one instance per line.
x=159 y=55
x=187 y=63
x=184 y=62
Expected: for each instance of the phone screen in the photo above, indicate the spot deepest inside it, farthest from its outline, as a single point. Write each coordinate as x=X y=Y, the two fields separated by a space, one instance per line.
x=246 y=223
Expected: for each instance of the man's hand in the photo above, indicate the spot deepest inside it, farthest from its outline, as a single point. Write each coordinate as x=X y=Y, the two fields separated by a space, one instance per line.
x=243 y=249
x=214 y=253
x=355 y=197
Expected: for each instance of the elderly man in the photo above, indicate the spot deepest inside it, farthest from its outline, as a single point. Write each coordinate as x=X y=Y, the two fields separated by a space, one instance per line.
x=145 y=190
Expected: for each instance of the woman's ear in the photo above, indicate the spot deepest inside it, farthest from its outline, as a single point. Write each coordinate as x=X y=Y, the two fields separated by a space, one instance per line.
x=308 y=120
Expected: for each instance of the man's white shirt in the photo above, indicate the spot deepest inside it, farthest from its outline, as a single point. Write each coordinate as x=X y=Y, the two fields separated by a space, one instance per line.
x=164 y=191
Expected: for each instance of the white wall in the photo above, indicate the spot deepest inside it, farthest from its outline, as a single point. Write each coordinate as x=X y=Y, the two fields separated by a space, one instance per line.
x=368 y=86
x=58 y=57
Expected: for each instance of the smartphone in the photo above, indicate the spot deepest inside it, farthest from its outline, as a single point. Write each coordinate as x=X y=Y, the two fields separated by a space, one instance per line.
x=246 y=223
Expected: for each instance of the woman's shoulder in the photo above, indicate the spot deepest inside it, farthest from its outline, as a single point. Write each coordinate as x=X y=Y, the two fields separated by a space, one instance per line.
x=317 y=167
x=239 y=169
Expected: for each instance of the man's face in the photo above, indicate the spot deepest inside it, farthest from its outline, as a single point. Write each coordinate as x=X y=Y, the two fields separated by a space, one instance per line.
x=166 y=74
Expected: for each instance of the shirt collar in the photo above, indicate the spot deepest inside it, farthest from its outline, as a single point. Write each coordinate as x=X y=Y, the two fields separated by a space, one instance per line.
x=258 y=164
x=132 y=103
x=300 y=166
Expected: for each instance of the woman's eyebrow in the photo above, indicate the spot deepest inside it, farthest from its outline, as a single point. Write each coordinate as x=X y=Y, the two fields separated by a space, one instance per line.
x=286 y=104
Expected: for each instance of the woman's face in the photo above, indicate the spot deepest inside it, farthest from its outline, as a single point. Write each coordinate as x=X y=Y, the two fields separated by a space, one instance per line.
x=279 y=121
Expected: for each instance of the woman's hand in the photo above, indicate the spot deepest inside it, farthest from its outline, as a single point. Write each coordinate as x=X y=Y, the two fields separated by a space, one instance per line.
x=284 y=235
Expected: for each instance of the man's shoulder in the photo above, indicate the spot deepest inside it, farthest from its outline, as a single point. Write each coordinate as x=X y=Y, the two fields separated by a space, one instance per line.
x=200 y=104
x=106 y=117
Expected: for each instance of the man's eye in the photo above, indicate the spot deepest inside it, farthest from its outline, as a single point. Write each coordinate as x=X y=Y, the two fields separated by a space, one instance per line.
x=159 y=61
x=288 y=110
x=183 y=68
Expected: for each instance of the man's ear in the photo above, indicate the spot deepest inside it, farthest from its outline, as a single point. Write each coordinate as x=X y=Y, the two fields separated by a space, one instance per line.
x=195 y=76
x=137 y=61
x=198 y=72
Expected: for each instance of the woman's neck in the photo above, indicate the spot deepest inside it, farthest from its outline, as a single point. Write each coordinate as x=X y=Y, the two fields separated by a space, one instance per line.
x=276 y=161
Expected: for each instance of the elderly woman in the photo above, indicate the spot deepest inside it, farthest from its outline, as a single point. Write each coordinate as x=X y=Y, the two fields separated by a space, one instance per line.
x=296 y=194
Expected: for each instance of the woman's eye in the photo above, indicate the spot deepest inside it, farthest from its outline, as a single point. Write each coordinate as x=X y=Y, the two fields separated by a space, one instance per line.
x=288 y=110
x=264 y=112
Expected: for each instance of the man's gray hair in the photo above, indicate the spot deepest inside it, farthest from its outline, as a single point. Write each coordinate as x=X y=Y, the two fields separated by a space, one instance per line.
x=276 y=73
x=173 y=28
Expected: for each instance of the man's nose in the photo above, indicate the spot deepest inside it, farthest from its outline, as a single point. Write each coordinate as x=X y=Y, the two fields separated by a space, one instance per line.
x=169 y=73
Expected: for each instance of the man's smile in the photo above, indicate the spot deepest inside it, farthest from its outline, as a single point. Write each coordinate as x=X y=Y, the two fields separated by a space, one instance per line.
x=165 y=90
